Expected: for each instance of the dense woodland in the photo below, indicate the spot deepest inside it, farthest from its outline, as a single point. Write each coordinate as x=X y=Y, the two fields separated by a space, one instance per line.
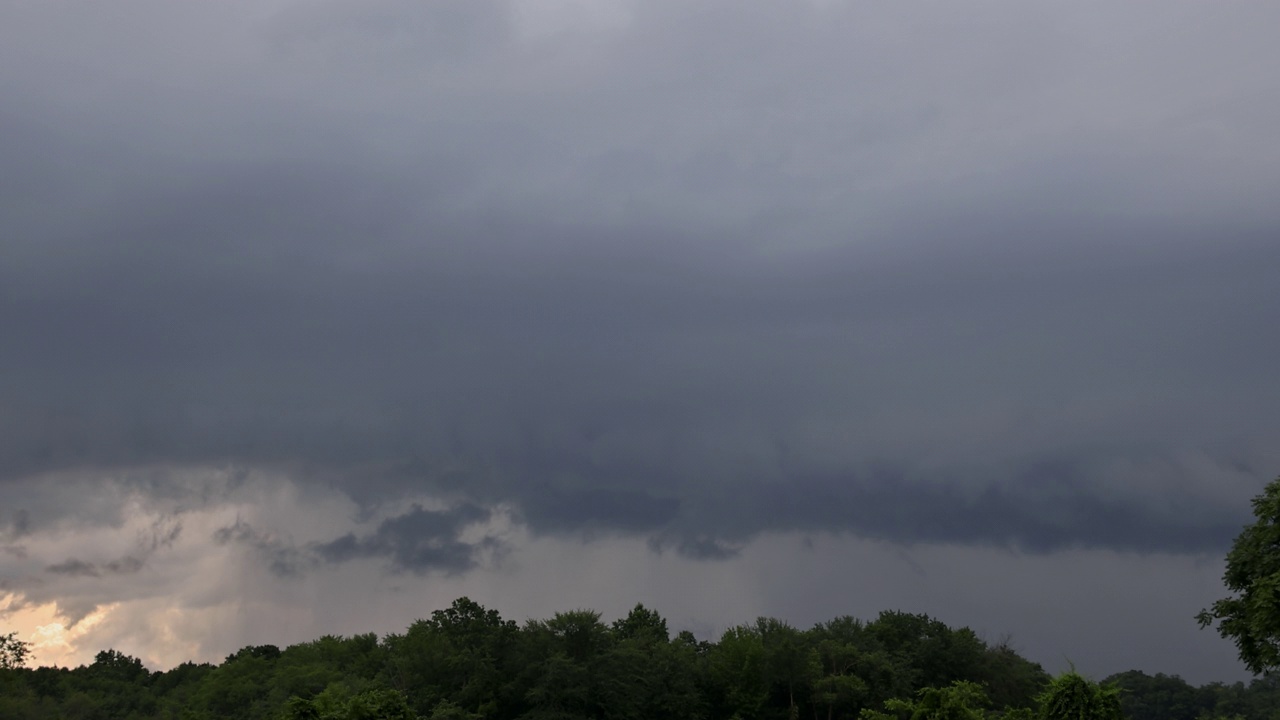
x=468 y=662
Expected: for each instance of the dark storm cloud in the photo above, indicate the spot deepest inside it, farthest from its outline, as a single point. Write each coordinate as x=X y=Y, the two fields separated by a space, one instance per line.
x=74 y=567
x=697 y=288
x=699 y=547
x=1043 y=510
x=419 y=541
x=553 y=509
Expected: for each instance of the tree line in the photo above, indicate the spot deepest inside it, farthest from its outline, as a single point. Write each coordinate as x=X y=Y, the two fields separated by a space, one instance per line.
x=466 y=662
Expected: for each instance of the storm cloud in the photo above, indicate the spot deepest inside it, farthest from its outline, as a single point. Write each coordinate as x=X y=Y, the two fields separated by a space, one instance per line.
x=420 y=540
x=684 y=274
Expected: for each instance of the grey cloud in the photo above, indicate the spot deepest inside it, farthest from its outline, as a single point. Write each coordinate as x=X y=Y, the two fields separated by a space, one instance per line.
x=728 y=273
x=124 y=566
x=17 y=527
x=74 y=567
x=1045 y=509
x=697 y=547
x=419 y=541
x=21 y=524
x=620 y=393
x=387 y=33
x=164 y=532
x=283 y=558
x=551 y=509
x=963 y=296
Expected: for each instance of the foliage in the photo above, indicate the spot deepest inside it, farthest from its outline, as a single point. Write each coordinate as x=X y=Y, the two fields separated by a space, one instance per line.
x=847 y=658
x=1160 y=697
x=961 y=700
x=13 y=652
x=1070 y=696
x=934 y=654
x=465 y=662
x=460 y=654
x=1011 y=680
x=377 y=704
x=736 y=665
x=1251 y=617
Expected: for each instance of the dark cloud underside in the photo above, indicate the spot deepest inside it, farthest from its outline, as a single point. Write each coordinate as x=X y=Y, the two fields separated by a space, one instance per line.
x=420 y=540
x=720 y=274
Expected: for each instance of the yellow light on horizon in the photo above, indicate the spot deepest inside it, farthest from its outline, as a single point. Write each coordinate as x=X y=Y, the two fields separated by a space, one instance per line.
x=52 y=641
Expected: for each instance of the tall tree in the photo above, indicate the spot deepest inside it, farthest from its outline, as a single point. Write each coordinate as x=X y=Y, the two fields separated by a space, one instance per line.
x=456 y=655
x=788 y=661
x=738 y=674
x=641 y=623
x=1010 y=679
x=842 y=646
x=1251 y=617
x=933 y=653
x=566 y=676
x=13 y=652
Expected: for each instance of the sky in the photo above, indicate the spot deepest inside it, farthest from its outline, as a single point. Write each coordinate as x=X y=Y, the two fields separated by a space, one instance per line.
x=318 y=314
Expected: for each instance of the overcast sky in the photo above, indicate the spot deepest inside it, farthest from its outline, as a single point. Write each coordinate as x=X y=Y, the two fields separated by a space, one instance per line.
x=318 y=314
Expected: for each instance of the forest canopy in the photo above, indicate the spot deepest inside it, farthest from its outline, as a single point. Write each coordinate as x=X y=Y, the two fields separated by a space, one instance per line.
x=467 y=662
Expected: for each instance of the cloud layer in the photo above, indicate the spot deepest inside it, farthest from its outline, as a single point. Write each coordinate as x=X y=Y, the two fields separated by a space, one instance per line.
x=691 y=276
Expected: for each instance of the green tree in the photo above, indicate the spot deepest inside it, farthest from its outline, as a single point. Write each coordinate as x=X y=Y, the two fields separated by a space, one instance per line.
x=1161 y=697
x=842 y=646
x=931 y=653
x=641 y=623
x=459 y=655
x=374 y=704
x=961 y=700
x=789 y=664
x=565 y=669
x=446 y=710
x=1251 y=617
x=379 y=704
x=115 y=665
x=1071 y=696
x=737 y=673
x=645 y=674
x=1010 y=679
x=16 y=699
x=13 y=652
x=241 y=687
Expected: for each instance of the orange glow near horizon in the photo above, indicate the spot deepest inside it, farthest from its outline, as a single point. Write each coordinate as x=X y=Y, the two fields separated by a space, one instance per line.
x=52 y=641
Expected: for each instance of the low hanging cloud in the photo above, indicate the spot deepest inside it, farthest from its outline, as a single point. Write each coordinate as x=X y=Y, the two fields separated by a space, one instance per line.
x=418 y=541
